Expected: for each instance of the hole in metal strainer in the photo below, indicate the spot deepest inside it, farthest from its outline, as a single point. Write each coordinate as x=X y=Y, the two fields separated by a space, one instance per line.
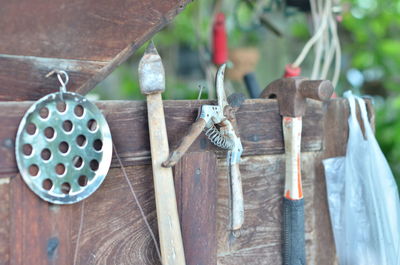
x=63 y=147
x=78 y=110
x=60 y=169
x=61 y=106
x=27 y=149
x=33 y=170
x=49 y=132
x=94 y=165
x=77 y=161
x=45 y=154
x=65 y=188
x=47 y=184
x=44 y=113
x=67 y=126
x=97 y=145
x=92 y=125
x=81 y=140
x=82 y=181
x=31 y=128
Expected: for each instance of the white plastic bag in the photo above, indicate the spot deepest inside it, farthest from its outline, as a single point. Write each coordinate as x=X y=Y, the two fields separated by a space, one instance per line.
x=363 y=198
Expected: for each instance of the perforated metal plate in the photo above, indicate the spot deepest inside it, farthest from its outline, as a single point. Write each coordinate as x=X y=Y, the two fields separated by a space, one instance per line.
x=63 y=148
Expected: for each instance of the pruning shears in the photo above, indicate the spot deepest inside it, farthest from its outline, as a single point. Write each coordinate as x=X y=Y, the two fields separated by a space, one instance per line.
x=216 y=122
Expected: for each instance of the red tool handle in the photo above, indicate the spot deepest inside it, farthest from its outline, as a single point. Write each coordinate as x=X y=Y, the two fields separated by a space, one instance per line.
x=220 y=40
x=291 y=71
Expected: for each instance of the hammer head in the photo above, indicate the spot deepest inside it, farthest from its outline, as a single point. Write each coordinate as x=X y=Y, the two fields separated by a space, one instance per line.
x=151 y=71
x=293 y=92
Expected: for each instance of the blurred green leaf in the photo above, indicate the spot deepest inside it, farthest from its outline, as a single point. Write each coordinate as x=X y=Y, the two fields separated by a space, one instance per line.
x=390 y=48
x=363 y=60
x=300 y=30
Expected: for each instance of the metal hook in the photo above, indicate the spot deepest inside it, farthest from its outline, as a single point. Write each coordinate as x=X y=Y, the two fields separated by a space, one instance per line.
x=63 y=87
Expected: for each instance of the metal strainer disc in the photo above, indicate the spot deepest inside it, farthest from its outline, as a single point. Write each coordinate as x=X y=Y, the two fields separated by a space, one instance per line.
x=63 y=148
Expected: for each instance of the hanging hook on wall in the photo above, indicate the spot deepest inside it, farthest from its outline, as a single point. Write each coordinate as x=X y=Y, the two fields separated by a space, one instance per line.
x=60 y=73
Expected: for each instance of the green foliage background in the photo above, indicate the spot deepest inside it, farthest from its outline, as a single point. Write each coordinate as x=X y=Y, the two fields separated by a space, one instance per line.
x=370 y=42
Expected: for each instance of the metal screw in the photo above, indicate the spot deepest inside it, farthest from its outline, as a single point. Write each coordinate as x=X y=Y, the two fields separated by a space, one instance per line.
x=9 y=143
x=52 y=245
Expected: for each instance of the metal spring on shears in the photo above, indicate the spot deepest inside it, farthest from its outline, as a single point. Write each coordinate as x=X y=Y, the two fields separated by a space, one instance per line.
x=217 y=139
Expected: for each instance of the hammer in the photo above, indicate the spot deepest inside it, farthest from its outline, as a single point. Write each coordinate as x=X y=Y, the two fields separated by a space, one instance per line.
x=152 y=84
x=292 y=94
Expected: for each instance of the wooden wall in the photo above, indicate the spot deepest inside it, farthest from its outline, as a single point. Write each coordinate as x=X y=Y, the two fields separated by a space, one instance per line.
x=35 y=232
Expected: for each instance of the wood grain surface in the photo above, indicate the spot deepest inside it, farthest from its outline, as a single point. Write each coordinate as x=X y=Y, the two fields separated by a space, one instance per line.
x=113 y=230
x=5 y=220
x=263 y=185
x=39 y=232
x=89 y=39
x=258 y=119
x=196 y=186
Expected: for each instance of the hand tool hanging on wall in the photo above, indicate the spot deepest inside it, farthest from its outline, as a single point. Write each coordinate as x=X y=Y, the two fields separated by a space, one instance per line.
x=221 y=115
x=152 y=84
x=63 y=146
x=219 y=40
x=292 y=94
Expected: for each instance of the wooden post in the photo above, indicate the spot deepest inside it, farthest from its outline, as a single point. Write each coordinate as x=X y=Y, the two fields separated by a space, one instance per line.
x=196 y=187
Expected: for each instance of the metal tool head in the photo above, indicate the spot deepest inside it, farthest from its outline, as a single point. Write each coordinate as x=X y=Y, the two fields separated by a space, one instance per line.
x=293 y=92
x=219 y=86
x=151 y=71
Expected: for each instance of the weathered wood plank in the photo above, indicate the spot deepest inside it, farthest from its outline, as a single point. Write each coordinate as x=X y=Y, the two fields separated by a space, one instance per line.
x=40 y=232
x=113 y=230
x=5 y=220
x=89 y=34
x=258 y=120
x=263 y=183
x=196 y=186
x=337 y=114
x=19 y=72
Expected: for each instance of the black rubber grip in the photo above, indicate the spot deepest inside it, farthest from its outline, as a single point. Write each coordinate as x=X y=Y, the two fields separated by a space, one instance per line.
x=293 y=232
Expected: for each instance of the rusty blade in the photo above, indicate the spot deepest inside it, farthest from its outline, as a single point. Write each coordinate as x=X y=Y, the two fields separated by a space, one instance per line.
x=151 y=71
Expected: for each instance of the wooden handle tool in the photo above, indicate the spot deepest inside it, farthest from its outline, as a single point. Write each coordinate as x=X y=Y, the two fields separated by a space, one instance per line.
x=292 y=94
x=152 y=84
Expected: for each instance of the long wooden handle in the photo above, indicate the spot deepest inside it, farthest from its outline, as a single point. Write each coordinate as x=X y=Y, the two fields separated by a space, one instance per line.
x=186 y=142
x=292 y=136
x=237 y=203
x=167 y=213
x=293 y=202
